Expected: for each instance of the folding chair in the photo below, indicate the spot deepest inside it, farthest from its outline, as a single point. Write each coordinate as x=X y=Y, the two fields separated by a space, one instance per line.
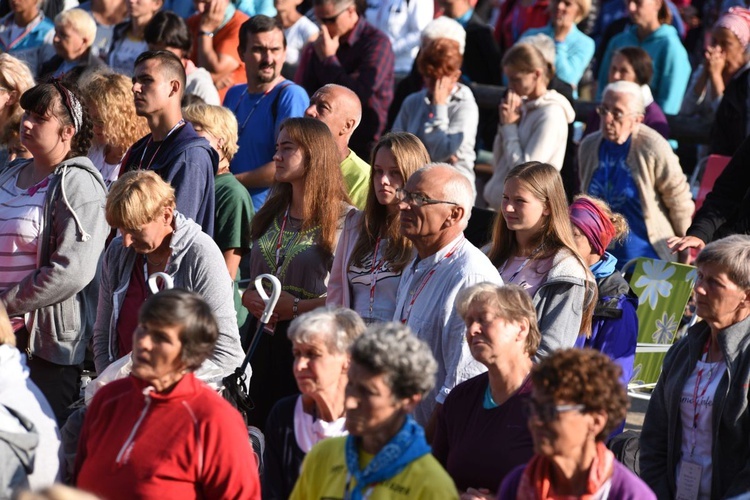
x=663 y=289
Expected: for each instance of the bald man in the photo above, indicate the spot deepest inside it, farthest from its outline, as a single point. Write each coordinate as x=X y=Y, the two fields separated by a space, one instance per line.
x=340 y=109
x=435 y=210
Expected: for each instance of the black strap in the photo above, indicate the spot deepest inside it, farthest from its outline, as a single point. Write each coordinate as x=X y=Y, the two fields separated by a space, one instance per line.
x=275 y=103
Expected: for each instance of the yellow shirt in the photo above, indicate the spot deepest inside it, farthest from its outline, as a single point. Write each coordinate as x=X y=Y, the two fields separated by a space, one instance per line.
x=324 y=476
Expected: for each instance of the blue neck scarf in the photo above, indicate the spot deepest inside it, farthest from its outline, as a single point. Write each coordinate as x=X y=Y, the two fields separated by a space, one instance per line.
x=406 y=446
x=604 y=267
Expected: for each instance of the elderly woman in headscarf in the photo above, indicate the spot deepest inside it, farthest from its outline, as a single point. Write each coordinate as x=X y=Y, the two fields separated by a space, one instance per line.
x=614 y=329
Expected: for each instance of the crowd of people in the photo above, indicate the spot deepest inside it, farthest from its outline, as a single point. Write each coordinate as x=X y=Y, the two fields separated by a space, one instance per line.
x=452 y=320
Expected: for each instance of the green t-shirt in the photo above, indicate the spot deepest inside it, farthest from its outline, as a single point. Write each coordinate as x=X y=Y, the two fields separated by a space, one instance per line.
x=234 y=213
x=356 y=174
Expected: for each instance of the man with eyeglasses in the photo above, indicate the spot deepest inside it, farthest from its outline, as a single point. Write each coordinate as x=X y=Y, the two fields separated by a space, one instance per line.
x=435 y=207
x=351 y=52
x=633 y=168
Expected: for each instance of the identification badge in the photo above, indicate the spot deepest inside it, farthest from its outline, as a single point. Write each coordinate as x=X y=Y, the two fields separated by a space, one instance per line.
x=689 y=481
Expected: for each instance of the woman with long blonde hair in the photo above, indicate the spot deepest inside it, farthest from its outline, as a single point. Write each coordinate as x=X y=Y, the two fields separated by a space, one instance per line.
x=533 y=246
x=109 y=99
x=372 y=252
x=294 y=235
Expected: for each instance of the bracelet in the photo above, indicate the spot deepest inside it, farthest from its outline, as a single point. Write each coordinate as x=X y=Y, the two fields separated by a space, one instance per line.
x=209 y=34
x=294 y=307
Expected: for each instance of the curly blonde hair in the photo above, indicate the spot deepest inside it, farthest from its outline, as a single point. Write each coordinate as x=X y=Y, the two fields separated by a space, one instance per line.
x=110 y=94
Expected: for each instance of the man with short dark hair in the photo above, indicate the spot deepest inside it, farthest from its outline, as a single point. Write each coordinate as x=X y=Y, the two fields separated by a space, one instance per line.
x=262 y=104
x=351 y=52
x=173 y=149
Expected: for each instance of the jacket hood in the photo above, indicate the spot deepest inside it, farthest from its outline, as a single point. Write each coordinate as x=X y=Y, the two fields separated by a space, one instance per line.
x=185 y=232
x=13 y=370
x=567 y=267
x=20 y=435
x=551 y=98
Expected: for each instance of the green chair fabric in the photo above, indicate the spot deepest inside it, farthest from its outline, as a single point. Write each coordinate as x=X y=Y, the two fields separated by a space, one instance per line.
x=663 y=289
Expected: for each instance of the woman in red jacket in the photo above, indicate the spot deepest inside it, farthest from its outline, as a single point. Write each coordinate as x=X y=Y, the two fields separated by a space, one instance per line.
x=161 y=433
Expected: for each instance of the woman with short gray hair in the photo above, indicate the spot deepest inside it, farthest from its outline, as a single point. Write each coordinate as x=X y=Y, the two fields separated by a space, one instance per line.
x=481 y=433
x=704 y=382
x=320 y=345
x=391 y=370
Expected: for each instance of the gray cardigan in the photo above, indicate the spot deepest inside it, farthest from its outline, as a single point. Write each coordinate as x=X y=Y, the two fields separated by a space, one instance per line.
x=58 y=298
x=661 y=436
x=196 y=264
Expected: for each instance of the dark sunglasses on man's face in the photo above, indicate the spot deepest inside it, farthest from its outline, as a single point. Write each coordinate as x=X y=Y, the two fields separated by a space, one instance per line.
x=332 y=19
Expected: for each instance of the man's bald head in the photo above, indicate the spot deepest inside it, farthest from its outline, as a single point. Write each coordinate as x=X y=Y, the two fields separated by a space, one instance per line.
x=339 y=108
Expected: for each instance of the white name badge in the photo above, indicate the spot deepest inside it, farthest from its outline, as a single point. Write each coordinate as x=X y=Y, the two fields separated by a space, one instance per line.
x=689 y=482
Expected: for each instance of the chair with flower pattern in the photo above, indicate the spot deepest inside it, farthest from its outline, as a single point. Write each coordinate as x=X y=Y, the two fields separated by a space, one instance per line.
x=663 y=289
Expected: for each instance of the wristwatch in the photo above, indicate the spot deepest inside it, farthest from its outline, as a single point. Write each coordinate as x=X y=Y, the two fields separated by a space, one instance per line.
x=294 y=307
x=209 y=34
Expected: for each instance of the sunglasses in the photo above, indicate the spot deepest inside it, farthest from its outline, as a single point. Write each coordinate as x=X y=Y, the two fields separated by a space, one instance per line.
x=332 y=19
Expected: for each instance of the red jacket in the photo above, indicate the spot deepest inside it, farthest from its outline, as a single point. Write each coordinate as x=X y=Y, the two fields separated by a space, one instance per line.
x=187 y=443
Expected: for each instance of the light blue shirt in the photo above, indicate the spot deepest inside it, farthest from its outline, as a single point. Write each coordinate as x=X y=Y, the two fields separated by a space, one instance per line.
x=433 y=284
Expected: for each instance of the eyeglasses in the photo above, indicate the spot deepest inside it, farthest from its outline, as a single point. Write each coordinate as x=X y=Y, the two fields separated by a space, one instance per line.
x=617 y=115
x=418 y=199
x=547 y=412
x=332 y=19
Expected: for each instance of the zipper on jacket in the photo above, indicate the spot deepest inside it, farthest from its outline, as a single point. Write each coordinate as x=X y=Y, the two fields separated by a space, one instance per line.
x=124 y=455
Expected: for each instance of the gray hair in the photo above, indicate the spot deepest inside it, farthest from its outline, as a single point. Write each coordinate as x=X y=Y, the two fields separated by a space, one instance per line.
x=391 y=350
x=444 y=27
x=733 y=254
x=631 y=89
x=545 y=45
x=456 y=189
x=338 y=328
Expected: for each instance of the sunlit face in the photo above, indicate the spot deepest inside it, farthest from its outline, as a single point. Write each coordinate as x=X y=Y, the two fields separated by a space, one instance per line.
x=492 y=338
x=522 y=83
x=643 y=12
x=69 y=44
x=386 y=177
x=717 y=298
x=730 y=45
x=289 y=160
x=150 y=236
x=614 y=129
x=371 y=406
x=429 y=219
x=339 y=21
x=621 y=69
x=264 y=56
x=157 y=352
x=316 y=368
x=564 y=13
x=152 y=90
x=212 y=139
x=522 y=211
x=41 y=134
x=323 y=107
x=560 y=437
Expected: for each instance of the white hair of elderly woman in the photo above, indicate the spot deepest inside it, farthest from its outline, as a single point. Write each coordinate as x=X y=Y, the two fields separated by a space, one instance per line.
x=444 y=27
x=631 y=89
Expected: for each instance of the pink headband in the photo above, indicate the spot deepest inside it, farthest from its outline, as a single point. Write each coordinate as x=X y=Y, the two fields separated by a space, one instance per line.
x=593 y=223
x=736 y=20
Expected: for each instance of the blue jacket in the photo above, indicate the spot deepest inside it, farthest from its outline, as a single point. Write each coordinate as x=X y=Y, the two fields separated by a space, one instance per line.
x=186 y=161
x=614 y=330
x=671 y=64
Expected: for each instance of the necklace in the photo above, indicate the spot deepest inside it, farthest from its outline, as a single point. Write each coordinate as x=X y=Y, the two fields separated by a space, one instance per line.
x=158 y=263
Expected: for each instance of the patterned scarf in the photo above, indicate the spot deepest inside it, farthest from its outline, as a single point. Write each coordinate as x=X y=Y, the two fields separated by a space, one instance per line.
x=536 y=480
x=406 y=446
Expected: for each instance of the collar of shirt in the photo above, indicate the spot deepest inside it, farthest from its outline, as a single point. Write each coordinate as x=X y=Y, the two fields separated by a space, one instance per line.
x=427 y=262
x=464 y=20
x=228 y=14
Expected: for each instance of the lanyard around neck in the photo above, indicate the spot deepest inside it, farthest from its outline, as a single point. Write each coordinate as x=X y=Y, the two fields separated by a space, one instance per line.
x=151 y=139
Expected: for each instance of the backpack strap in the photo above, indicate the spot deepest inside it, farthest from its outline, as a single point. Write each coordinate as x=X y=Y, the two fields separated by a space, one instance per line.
x=275 y=103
